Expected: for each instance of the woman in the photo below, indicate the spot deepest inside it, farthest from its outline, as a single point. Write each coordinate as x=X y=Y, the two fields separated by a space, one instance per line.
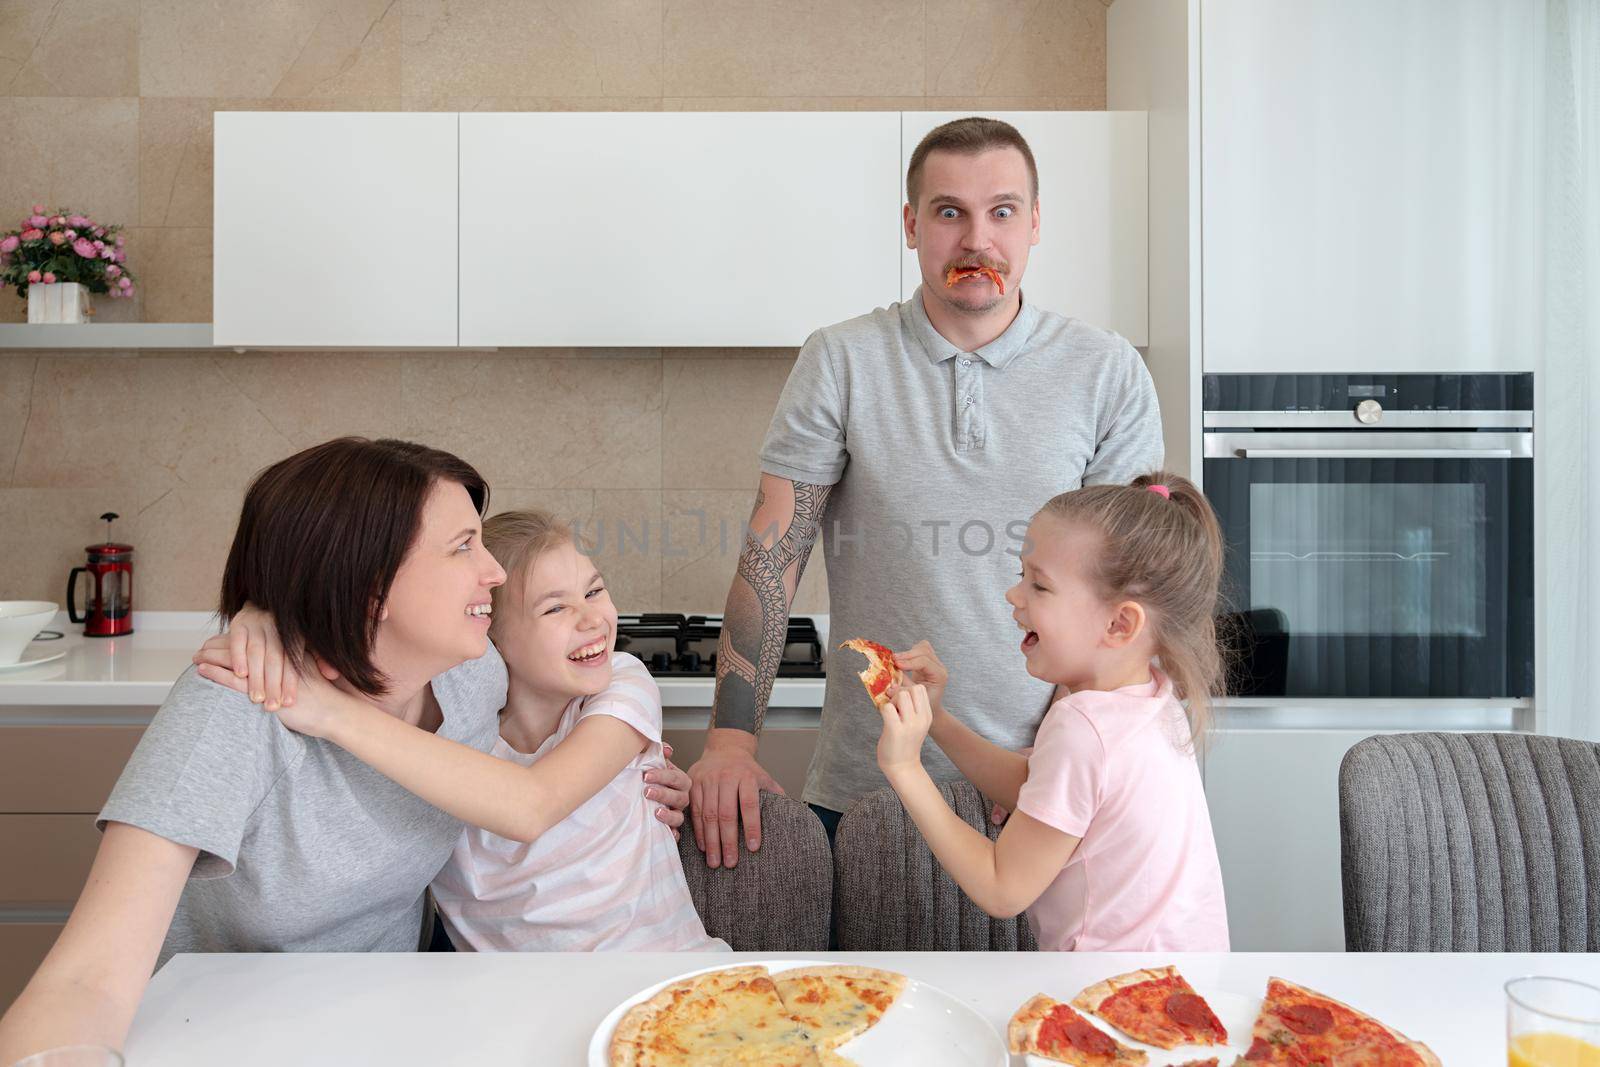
x=226 y=831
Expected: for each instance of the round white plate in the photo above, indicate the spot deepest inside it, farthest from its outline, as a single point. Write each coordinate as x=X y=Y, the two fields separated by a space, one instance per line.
x=1236 y=1013
x=48 y=657
x=925 y=1027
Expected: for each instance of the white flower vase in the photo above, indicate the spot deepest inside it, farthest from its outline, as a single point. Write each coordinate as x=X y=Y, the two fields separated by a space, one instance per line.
x=58 y=302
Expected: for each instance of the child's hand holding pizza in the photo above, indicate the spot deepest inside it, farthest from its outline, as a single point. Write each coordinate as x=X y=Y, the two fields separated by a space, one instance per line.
x=922 y=667
x=906 y=720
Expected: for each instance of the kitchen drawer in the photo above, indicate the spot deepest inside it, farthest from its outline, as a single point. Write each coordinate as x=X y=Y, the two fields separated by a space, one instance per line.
x=44 y=859
x=22 y=947
x=47 y=769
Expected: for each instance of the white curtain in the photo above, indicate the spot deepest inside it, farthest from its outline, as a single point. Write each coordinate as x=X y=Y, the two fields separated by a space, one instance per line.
x=1567 y=426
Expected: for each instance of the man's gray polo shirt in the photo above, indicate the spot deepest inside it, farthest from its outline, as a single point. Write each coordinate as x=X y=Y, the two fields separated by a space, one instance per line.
x=939 y=458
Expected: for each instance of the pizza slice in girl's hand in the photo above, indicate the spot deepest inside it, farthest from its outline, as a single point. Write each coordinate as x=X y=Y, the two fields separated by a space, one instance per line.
x=1047 y=1027
x=1299 y=1026
x=956 y=274
x=1156 y=1006
x=881 y=674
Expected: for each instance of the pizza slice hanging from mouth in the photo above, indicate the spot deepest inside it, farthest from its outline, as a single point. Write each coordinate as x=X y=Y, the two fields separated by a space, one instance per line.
x=881 y=673
x=956 y=274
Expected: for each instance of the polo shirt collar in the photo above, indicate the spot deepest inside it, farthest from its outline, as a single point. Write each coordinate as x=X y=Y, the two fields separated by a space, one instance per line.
x=996 y=353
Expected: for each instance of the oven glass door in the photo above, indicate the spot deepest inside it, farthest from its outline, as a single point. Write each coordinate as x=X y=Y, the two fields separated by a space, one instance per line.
x=1362 y=571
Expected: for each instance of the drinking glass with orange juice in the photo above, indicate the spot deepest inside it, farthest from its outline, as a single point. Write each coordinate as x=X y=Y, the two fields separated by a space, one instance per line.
x=1552 y=1022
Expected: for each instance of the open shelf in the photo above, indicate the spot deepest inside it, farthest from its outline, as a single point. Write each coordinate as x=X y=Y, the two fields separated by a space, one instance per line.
x=106 y=335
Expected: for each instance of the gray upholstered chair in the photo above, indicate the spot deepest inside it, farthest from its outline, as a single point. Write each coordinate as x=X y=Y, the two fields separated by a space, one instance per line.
x=774 y=900
x=1471 y=843
x=891 y=893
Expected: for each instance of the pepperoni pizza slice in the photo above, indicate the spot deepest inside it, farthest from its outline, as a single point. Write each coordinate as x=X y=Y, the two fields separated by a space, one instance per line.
x=1047 y=1027
x=1156 y=1006
x=881 y=673
x=956 y=274
x=1298 y=1026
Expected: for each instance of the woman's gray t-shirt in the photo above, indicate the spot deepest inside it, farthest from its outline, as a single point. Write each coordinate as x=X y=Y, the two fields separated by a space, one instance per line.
x=303 y=848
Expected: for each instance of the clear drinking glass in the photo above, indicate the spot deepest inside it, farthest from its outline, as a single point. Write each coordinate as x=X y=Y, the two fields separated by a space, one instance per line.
x=1552 y=1022
x=74 y=1056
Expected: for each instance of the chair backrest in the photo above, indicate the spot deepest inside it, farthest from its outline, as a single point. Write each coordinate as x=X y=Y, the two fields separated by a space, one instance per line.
x=892 y=895
x=1478 y=842
x=775 y=900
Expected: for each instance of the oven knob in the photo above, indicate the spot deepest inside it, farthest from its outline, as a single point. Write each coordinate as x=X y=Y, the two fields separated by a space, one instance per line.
x=690 y=661
x=661 y=661
x=1369 y=412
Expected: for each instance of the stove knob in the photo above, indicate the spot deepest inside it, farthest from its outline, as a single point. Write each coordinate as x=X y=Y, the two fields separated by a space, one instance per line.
x=661 y=661
x=1369 y=412
x=690 y=661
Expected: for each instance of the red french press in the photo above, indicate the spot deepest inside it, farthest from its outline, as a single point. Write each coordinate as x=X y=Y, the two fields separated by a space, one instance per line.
x=108 y=610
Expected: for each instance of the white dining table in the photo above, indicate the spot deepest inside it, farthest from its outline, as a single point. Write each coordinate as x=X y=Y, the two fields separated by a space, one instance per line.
x=543 y=1008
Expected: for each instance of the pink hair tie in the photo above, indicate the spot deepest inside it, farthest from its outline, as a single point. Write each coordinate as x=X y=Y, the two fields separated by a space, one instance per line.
x=1166 y=494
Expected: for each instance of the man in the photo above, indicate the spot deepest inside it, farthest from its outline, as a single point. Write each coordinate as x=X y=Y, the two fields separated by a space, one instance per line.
x=917 y=441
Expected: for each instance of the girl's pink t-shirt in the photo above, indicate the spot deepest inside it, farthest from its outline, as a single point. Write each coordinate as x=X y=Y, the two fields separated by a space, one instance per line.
x=1115 y=769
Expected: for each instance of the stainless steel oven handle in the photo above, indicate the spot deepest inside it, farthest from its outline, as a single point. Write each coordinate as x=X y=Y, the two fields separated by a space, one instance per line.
x=1366 y=453
x=1255 y=444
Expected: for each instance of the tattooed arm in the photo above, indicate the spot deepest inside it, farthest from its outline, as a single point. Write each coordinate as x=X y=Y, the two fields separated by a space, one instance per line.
x=727 y=780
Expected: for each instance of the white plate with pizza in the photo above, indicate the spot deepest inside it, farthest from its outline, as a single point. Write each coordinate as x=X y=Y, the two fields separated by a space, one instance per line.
x=798 y=1012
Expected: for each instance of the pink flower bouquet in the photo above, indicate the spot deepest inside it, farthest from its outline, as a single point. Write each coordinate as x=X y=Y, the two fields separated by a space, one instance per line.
x=64 y=246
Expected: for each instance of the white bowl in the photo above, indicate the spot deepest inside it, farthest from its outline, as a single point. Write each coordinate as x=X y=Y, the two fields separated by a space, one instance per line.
x=20 y=621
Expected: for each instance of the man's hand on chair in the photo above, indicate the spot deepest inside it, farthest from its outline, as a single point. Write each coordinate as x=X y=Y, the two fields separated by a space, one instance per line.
x=726 y=785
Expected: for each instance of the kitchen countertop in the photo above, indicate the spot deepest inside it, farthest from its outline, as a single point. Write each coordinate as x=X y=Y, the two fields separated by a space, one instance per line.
x=124 y=679
x=542 y=1008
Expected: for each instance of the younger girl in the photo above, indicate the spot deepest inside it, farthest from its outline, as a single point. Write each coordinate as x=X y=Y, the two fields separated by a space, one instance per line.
x=562 y=851
x=1109 y=846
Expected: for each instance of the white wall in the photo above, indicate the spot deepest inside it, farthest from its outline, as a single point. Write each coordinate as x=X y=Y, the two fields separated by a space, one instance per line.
x=1151 y=48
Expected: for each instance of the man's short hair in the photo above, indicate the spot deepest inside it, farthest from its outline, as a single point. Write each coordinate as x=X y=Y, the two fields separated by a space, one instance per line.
x=321 y=537
x=969 y=136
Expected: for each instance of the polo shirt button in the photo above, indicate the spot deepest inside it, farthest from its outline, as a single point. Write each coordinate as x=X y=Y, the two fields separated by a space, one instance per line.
x=966 y=363
x=969 y=400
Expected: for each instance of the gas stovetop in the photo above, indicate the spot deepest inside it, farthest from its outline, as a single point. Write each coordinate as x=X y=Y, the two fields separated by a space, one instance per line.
x=679 y=646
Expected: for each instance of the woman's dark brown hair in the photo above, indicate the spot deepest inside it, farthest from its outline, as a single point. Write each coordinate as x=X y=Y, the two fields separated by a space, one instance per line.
x=1164 y=551
x=321 y=536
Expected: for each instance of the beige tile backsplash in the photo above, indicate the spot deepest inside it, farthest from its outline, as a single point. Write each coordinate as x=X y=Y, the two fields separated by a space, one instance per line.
x=651 y=451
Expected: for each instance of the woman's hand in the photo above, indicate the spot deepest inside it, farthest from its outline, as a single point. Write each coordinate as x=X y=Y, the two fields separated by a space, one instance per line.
x=906 y=719
x=669 y=787
x=922 y=667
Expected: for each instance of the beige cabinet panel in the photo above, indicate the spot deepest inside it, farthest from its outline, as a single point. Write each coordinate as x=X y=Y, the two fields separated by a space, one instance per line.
x=46 y=858
x=22 y=946
x=47 y=769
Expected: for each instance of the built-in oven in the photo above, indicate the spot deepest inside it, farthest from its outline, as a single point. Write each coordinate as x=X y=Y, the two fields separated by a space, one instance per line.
x=1378 y=530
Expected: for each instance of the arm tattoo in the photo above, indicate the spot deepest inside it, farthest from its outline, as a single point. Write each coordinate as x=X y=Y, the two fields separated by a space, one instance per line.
x=755 y=625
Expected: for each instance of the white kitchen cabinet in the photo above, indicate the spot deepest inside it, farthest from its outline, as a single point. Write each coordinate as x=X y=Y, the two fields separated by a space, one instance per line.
x=1367 y=186
x=683 y=229
x=1091 y=261
x=1272 y=786
x=335 y=229
x=1274 y=800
